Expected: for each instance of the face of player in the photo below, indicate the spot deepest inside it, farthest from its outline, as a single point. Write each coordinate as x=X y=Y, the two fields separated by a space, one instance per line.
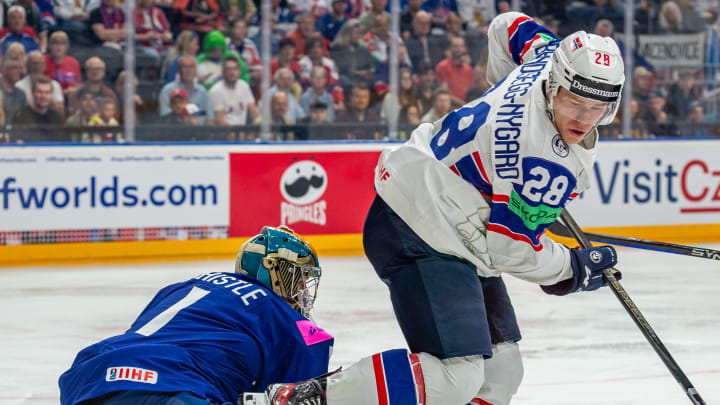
x=575 y=116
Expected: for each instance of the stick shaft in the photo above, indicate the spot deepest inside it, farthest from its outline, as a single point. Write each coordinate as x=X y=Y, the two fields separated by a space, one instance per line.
x=561 y=230
x=637 y=316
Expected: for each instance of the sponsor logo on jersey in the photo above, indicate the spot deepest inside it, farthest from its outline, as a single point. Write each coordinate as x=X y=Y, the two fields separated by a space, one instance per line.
x=302 y=185
x=532 y=216
x=135 y=374
x=560 y=147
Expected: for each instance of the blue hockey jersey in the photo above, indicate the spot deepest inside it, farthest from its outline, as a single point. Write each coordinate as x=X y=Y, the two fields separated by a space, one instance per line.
x=216 y=335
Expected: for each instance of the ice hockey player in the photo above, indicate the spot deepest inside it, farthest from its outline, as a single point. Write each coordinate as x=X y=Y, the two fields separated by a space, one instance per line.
x=206 y=340
x=467 y=199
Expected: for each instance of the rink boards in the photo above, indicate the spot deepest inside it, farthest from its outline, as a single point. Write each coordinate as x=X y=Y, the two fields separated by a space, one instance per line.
x=176 y=201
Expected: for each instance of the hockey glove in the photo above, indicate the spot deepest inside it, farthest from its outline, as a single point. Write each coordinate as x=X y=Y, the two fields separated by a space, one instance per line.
x=308 y=392
x=587 y=266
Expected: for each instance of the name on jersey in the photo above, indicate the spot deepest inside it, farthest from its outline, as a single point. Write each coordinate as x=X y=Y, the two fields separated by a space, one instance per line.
x=511 y=115
x=238 y=287
x=135 y=374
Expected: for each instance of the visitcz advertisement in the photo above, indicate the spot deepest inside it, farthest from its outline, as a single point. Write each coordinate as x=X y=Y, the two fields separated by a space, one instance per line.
x=57 y=188
x=311 y=192
x=652 y=183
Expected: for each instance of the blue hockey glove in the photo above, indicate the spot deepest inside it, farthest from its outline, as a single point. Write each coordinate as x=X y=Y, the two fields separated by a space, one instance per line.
x=587 y=265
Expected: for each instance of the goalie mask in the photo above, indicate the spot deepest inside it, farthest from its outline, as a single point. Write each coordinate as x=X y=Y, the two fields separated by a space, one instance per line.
x=591 y=69
x=282 y=261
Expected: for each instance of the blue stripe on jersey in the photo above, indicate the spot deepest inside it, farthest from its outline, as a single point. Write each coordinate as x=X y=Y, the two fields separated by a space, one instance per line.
x=525 y=32
x=470 y=173
x=399 y=377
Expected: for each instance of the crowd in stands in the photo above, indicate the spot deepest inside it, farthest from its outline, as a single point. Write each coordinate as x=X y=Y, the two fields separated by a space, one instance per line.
x=198 y=63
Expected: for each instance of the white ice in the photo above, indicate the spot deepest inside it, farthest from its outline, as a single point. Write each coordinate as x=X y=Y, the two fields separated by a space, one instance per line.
x=581 y=349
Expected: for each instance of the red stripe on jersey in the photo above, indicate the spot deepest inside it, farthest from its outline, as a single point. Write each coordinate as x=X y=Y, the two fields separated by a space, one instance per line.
x=501 y=198
x=478 y=162
x=382 y=394
x=527 y=46
x=419 y=377
x=514 y=26
x=478 y=401
x=497 y=228
x=455 y=170
x=573 y=195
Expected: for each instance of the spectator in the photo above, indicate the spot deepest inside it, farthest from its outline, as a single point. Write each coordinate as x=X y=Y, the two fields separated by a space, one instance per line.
x=17 y=31
x=61 y=67
x=36 y=68
x=107 y=23
x=454 y=73
x=233 y=10
x=210 y=62
x=682 y=95
x=106 y=117
x=656 y=116
x=95 y=76
x=285 y=58
x=358 y=110
x=354 y=62
x=638 y=129
x=282 y=18
x=712 y=50
x=278 y=116
x=316 y=123
x=87 y=108
x=178 y=99
x=480 y=76
x=441 y=105
x=38 y=20
x=73 y=17
x=377 y=8
x=275 y=35
x=382 y=70
x=410 y=115
x=315 y=58
x=329 y=24
x=186 y=80
x=284 y=82
x=439 y=10
x=238 y=42
x=642 y=84
x=425 y=87
x=186 y=44
x=231 y=97
x=40 y=113
x=691 y=19
x=406 y=18
x=423 y=47
x=305 y=29
x=319 y=113
x=377 y=40
x=405 y=96
x=474 y=92
x=152 y=31
x=604 y=28
x=192 y=114
x=14 y=99
x=16 y=51
x=198 y=15
x=318 y=93
x=143 y=110
x=670 y=19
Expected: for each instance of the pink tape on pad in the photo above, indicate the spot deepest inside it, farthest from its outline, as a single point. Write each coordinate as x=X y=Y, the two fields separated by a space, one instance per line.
x=312 y=333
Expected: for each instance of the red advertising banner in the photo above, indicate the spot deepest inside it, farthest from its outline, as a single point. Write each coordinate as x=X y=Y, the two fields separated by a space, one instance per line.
x=311 y=192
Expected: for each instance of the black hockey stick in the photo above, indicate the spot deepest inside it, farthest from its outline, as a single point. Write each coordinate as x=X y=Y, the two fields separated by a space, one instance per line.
x=560 y=229
x=636 y=315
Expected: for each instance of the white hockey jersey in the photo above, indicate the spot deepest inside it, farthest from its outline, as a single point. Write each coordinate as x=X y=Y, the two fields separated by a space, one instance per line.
x=485 y=181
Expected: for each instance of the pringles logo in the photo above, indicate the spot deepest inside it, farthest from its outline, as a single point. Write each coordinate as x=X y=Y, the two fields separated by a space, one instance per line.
x=302 y=185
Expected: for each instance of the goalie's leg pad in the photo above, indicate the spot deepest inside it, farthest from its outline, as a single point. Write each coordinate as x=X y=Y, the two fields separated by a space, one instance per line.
x=396 y=377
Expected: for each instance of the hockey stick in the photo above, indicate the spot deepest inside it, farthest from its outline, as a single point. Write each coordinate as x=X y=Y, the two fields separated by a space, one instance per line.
x=637 y=316
x=560 y=229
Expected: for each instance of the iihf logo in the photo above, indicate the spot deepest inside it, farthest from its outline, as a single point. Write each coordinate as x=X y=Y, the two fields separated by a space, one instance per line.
x=560 y=147
x=302 y=184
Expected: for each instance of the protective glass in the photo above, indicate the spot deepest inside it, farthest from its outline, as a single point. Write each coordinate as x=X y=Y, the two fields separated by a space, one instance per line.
x=580 y=108
x=296 y=283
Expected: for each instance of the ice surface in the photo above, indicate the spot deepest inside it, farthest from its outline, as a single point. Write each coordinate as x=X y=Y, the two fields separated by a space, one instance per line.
x=581 y=349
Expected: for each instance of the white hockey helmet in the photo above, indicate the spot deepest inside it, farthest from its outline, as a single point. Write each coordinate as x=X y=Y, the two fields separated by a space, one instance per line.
x=591 y=67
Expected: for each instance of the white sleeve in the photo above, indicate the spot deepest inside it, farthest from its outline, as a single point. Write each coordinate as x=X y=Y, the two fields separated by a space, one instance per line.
x=510 y=37
x=216 y=97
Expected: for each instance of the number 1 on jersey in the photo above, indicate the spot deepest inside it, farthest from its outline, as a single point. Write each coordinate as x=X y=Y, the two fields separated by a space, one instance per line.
x=167 y=315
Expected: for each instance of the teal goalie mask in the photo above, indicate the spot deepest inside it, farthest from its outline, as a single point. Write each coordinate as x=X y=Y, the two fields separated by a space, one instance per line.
x=285 y=263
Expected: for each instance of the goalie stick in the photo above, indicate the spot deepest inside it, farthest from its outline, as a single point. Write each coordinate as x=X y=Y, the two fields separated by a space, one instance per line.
x=637 y=316
x=560 y=229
